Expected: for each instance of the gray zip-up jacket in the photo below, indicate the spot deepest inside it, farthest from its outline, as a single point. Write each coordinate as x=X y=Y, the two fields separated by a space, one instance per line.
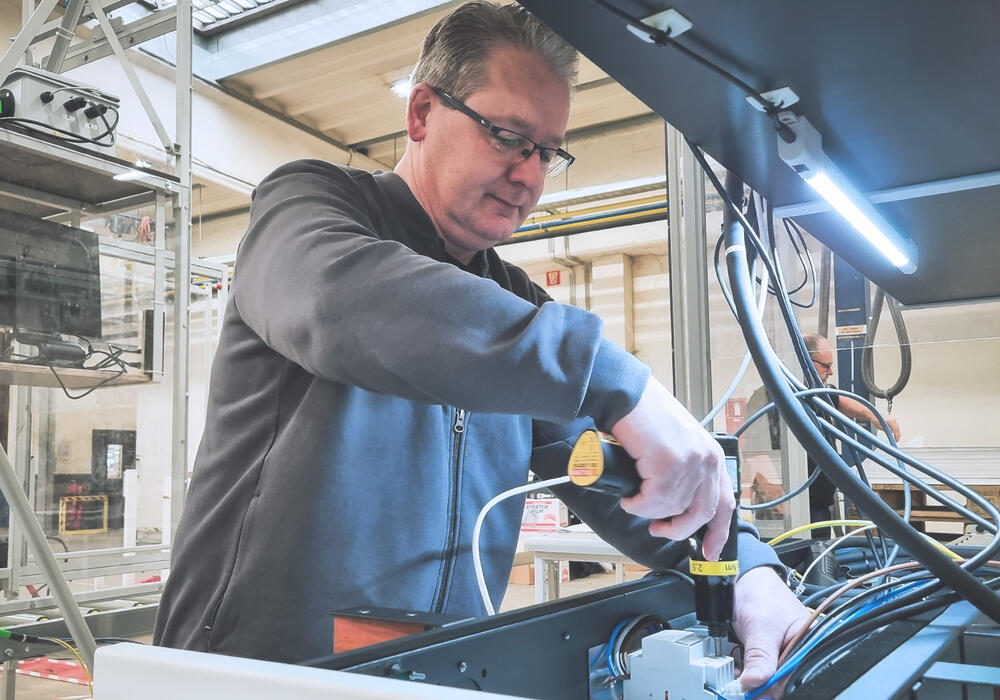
x=368 y=396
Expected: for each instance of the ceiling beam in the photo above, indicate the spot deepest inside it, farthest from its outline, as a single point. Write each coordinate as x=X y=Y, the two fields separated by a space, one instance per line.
x=305 y=27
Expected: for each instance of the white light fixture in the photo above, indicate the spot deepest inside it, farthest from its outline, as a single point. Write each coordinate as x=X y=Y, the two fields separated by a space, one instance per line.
x=401 y=88
x=133 y=174
x=622 y=187
x=805 y=156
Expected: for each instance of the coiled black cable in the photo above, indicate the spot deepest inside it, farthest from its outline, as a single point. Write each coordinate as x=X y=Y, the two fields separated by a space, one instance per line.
x=905 y=353
x=803 y=425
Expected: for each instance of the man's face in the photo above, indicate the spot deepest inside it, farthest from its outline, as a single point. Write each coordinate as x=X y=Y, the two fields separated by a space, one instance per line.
x=476 y=195
x=822 y=359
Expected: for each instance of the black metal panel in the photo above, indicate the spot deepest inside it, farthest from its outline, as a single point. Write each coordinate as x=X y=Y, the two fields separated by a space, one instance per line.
x=957 y=234
x=903 y=92
x=537 y=652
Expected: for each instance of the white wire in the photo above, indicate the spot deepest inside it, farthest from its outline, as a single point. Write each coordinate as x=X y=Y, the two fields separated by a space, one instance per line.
x=733 y=385
x=476 y=559
x=828 y=550
x=728 y=393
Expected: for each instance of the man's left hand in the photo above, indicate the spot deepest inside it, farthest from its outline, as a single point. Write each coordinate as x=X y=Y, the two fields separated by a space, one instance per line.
x=767 y=616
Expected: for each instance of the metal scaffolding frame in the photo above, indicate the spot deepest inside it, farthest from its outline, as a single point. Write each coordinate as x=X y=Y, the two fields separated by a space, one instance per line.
x=160 y=190
x=688 y=260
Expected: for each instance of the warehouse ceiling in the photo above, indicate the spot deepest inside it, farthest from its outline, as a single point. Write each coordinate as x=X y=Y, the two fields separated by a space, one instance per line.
x=337 y=80
x=918 y=117
x=329 y=64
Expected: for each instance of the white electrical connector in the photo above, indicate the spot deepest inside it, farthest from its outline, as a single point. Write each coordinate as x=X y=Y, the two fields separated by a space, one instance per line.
x=679 y=664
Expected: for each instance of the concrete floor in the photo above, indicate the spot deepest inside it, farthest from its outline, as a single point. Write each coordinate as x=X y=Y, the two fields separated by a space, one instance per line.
x=518 y=596
x=30 y=688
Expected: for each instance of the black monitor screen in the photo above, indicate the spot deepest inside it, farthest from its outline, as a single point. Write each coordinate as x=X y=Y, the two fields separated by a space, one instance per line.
x=50 y=277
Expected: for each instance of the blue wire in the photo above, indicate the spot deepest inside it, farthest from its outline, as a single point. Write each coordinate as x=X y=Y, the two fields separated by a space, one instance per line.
x=715 y=692
x=611 y=647
x=793 y=662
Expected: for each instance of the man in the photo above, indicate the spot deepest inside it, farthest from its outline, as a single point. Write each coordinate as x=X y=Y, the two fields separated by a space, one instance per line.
x=822 y=491
x=382 y=374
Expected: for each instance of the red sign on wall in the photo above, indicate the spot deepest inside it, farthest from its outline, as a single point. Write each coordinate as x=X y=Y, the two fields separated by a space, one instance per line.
x=553 y=278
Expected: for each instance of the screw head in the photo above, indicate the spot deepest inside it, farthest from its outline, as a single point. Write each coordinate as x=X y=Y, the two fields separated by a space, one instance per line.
x=462 y=667
x=565 y=636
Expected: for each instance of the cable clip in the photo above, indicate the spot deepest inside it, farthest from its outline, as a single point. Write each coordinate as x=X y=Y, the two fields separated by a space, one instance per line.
x=671 y=22
x=781 y=98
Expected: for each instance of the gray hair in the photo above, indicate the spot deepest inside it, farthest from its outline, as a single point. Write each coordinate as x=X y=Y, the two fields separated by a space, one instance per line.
x=813 y=341
x=456 y=50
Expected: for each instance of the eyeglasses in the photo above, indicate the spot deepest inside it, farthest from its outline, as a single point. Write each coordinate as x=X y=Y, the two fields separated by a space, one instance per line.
x=510 y=142
x=828 y=366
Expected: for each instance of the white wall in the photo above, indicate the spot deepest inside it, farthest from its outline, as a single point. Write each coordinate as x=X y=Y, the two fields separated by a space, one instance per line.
x=954 y=385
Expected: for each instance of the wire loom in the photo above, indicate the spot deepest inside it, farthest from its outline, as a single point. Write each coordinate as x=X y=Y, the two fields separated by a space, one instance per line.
x=935 y=581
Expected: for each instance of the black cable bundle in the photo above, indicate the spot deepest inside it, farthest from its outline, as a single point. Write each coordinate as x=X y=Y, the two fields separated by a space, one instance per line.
x=105 y=139
x=110 y=358
x=809 y=426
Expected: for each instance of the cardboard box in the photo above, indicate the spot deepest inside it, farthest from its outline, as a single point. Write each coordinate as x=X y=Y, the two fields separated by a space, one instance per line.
x=544 y=515
x=523 y=575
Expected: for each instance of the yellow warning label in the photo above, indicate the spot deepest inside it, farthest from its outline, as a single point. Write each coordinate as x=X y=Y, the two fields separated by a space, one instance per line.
x=714 y=568
x=586 y=461
x=851 y=330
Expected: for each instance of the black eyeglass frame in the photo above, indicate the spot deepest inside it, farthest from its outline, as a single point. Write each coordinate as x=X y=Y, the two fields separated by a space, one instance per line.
x=828 y=366
x=555 y=167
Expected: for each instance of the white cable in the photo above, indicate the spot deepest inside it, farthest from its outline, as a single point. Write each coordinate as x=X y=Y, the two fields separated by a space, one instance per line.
x=476 y=559
x=730 y=390
x=826 y=551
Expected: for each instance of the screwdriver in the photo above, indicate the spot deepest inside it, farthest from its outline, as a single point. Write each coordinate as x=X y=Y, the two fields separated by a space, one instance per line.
x=599 y=462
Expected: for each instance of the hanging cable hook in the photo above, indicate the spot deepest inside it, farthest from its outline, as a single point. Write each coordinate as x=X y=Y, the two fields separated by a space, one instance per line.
x=905 y=353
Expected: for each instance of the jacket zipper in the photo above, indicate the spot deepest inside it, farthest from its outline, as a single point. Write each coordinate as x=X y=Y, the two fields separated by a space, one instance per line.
x=458 y=434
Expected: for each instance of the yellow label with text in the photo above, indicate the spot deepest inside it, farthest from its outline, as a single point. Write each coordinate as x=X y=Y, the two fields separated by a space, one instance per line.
x=714 y=568
x=586 y=461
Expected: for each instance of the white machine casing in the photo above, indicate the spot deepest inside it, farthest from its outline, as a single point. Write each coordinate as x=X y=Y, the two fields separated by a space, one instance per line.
x=27 y=84
x=677 y=664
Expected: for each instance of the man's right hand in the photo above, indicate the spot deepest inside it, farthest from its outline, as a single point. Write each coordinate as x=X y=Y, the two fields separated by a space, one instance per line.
x=682 y=468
